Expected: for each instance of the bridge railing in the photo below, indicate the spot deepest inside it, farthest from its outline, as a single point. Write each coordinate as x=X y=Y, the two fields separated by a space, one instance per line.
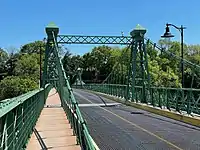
x=73 y=113
x=76 y=120
x=72 y=110
x=18 y=117
x=178 y=99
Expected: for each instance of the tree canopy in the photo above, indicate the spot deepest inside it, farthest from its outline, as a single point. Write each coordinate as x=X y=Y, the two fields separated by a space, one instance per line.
x=12 y=86
x=19 y=72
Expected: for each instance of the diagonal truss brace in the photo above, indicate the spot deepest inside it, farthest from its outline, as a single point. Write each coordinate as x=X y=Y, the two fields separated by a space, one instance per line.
x=79 y=39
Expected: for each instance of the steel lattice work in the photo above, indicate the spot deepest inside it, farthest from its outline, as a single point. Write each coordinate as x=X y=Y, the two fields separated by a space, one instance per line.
x=54 y=74
x=138 y=67
x=79 y=39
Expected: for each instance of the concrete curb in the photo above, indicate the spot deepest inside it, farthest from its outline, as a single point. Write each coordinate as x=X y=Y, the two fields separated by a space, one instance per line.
x=195 y=121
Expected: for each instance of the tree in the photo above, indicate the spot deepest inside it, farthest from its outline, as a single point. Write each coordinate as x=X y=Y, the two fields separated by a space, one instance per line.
x=71 y=63
x=3 y=59
x=3 y=55
x=27 y=65
x=192 y=74
x=87 y=62
x=33 y=47
x=100 y=61
x=13 y=86
x=22 y=70
x=11 y=63
x=66 y=62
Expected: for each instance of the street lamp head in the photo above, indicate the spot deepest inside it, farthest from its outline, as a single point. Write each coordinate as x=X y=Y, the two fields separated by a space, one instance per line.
x=167 y=33
x=44 y=40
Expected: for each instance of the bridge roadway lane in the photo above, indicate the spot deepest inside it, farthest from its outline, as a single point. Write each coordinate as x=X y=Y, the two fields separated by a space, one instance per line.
x=128 y=128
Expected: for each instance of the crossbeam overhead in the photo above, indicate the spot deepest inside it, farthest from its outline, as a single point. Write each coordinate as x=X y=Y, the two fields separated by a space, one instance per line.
x=80 y=39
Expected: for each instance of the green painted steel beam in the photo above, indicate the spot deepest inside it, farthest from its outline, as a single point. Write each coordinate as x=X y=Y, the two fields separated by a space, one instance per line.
x=51 y=27
x=80 y=39
x=138 y=67
x=54 y=73
x=51 y=64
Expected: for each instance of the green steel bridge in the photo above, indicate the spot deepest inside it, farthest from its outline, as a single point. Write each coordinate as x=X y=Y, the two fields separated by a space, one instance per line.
x=123 y=112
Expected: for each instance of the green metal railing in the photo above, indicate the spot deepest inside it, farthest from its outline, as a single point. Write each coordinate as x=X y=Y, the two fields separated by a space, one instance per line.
x=71 y=108
x=76 y=120
x=179 y=99
x=18 y=117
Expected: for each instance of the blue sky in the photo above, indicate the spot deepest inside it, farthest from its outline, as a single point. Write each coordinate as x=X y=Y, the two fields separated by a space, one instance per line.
x=24 y=21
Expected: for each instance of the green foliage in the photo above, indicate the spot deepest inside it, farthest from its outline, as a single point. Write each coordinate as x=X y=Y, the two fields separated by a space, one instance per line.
x=13 y=86
x=192 y=73
x=33 y=47
x=27 y=65
x=71 y=63
x=22 y=70
x=98 y=58
x=97 y=63
x=3 y=59
x=3 y=55
x=162 y=78
x=101 y=60
x=11 y=63
x=164 y=69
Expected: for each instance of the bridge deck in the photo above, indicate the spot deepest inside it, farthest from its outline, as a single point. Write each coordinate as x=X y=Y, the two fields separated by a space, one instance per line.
x=124 y=127
x=53 y=128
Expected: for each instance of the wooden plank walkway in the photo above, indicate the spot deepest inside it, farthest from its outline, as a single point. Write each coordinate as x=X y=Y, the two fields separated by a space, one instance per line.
x=53 y=128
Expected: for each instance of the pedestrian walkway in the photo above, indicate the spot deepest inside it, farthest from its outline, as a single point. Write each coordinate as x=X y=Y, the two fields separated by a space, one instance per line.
x=53 y=130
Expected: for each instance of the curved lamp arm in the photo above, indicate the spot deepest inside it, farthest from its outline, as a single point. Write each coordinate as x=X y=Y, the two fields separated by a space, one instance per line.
x=178 y=28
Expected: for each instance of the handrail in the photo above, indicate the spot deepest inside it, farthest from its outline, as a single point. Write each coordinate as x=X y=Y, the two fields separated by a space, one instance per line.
x=18 y=117
x=153 y=87
x=180 y=99
x=70 y=105
x=12 y=103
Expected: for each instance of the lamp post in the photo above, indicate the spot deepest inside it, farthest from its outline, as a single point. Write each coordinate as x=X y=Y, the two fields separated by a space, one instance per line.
x=167 y=34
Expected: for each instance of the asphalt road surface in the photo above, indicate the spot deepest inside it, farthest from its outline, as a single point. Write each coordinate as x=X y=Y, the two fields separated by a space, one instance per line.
x=120 y=127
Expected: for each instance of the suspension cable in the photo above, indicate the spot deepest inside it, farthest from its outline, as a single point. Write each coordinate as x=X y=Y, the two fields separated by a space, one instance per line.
x=118 y=62
x=172 y=54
